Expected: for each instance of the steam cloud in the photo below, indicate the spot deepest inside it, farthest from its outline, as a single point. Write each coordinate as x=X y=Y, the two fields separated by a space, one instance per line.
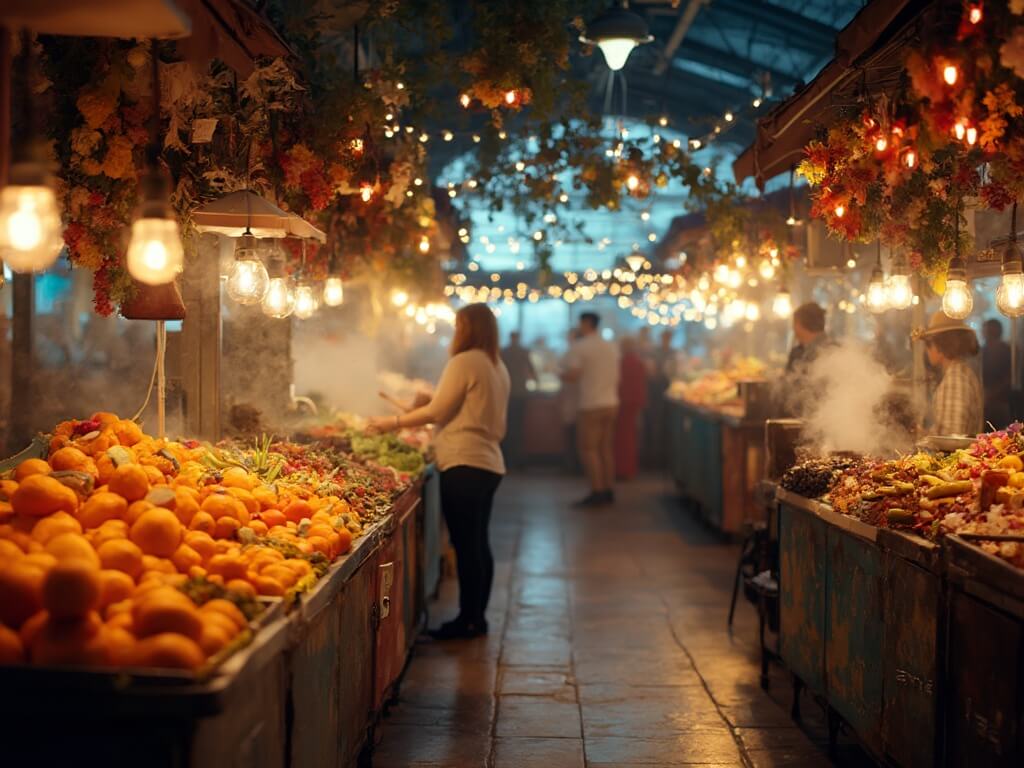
x=850 y=403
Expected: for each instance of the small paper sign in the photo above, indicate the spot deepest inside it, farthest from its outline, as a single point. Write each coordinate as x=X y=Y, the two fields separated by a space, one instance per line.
x=202 y=130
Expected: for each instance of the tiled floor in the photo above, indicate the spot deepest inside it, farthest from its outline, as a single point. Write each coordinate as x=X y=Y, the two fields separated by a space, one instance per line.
x=608 y=647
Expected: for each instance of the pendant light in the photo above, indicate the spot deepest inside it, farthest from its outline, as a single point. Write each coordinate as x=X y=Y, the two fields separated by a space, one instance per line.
x=155 y=253
x=636 y=261
x=899 y=292
x=248 y=279
x=617 y=32
x=307 y=301
x=334 y=287
x=1010 y=293
x=957 y=301
x=782 y=304
x=877 y=298
x=31 y=232
x=279 y=300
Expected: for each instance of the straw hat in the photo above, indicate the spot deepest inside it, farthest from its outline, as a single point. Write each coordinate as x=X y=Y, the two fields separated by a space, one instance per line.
x=940 y=322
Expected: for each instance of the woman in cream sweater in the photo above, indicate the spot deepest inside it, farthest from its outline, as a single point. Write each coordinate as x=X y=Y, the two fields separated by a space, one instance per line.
x=469 y=409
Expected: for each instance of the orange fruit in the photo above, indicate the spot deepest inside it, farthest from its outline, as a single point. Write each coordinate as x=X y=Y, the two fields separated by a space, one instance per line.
x=104 y=468
x=154 y=475
x=223 y=505
x=130 y=481
x=42 y=560
x=202 y=543
x=167 y=649
x=319 y=544
x=121 y=555
x=41 y=495
x=228 y=566
x=112 y=530
x=105 y=418
x=297 y=511
x=135 y=510
x=242 y=587
x=72 y=546
x=71 y=589
x=120 y=644
x=203 y=521
x=101 y=507
x=12 y=651
x=226 y=528
x=281 y=573
x=236 y=477
x=120 y=607
x=158 y=564
x=31 y=627
x=266 y=495
x=157 y=614
x=213 y=638
x=21 y=592
x=186 y=504
x=273 y=517
x=258 y=527
x=345 y=540
x=248 y=501
x=185 y=557
x=115 y=586
x=74 y=641
x=71 y=458
x=267 y=586
x=31 y=467
x=9 y=550
x=221 y=621
x=228 y=609
x=157 y=532
x=54 y=525
x=127 y=432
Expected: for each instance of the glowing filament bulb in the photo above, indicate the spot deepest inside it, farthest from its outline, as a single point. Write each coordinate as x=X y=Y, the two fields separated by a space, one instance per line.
x=974 y=14
x=957 y=301
x=366 y=192
x=840 y=211
x=782 y=305
x=510 y=97
x=424 y=244
x=632 y=183
x=910 y=158
x=464 y=100
x=279 y=302
x=959 y=130
x=881 y=144
x=30 y=227
x=950 y=74
x=972 y=136
x=306 y=303
x=766 y=269
x=334 y=292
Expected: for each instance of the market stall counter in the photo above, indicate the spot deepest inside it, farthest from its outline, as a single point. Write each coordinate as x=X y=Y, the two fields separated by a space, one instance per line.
x=716 y=459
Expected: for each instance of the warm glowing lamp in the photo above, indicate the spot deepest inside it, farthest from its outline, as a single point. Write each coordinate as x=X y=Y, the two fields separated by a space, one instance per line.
x=617 y=32
x=248 y=279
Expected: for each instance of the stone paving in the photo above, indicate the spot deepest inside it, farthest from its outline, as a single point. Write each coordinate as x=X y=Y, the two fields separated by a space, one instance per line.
x=608 y=647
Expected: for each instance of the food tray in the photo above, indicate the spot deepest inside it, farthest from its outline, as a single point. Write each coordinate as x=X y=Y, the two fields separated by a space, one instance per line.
x=945 y=443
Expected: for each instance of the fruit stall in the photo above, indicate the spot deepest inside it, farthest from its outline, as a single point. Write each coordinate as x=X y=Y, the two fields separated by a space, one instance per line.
x=213 y=603
x=900 y=588
x=716 y=442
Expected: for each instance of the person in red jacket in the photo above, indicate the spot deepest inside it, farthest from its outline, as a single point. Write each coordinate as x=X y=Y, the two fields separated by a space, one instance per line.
x=632 y=401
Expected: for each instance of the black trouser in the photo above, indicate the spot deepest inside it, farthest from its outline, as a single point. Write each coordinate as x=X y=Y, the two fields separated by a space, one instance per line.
x=516 y=427
x=467 y=494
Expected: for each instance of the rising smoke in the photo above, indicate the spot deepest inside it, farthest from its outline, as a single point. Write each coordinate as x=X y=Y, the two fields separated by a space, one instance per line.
x=849 y=402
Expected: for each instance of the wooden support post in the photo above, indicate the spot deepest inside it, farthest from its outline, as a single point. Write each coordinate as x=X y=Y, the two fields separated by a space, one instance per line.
x=201 y=340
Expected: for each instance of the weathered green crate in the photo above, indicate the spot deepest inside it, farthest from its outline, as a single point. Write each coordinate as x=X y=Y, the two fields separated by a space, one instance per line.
x=984 y=659
x=912 y=657
x=802 y=582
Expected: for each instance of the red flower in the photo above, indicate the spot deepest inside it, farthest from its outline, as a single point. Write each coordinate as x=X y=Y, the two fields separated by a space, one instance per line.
x=996 y=196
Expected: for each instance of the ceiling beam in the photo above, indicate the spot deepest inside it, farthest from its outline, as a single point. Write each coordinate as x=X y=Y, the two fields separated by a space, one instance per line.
x=731 y=63
x=804 y=32
x=682 y=27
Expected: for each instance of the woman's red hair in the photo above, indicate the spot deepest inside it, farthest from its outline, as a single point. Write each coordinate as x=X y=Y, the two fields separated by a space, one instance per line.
x=476 y=328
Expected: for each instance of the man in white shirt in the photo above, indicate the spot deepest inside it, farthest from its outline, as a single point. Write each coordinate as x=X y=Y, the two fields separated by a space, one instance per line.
x=594 y=364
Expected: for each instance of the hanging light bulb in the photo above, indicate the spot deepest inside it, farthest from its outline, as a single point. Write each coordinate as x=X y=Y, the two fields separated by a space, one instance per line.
x=366 y=192
x=248 y=279
x=636 y=261
x=155 y=253
x=782 y=304
x=617 y=32
x=279 y=300
x=1010 y=293
x=960 y=129
x=950 y=74
x=957 y=301
x=306 y=303
x=840 y=211
x=766 y=269
x=424 y=244
x=632 y=182
x=899 y=292
x=974 y=13
x=881 y=144
x=752 y=312
x=31 y=233
x=910 y=158
x=877 y=299
x=334 y=291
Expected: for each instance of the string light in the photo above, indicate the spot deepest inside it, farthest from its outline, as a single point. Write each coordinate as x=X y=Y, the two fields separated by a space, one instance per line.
x=910 y=158
x=729 y=117
x=840 y=211
x=425 y=244
x=974 y=14
x=510 y=97
x=464 y=100
x=950 y=74
x=448 y=135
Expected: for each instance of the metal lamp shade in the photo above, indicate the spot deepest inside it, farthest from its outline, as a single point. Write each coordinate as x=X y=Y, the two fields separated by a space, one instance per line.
x=232 y=214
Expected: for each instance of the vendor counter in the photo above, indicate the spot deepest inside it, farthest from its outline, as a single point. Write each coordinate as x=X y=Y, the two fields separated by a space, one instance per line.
x=917 y=647
x=716 y=457
x=306 y=692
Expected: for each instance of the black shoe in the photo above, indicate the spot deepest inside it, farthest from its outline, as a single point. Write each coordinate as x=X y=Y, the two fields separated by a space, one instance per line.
x=590 y=500
x=457 y=629
x=608 y=497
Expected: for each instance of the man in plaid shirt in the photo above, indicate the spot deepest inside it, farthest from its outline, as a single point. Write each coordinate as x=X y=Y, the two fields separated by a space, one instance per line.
x=958 y=399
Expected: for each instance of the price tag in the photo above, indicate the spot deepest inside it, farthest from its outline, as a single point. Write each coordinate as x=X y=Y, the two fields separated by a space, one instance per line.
x=202 y=130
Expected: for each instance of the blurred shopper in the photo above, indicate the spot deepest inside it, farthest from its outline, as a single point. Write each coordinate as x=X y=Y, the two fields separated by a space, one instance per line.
x=809 y=332
x=569 y=406
x=661 y=369
x=632 y=399
x=594 y=363
x=958 y=399
x=996 y=375
x=520 y=373
x=469 y=408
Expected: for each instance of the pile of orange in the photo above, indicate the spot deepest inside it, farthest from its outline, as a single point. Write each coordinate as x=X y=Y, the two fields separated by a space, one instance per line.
x=95 y=541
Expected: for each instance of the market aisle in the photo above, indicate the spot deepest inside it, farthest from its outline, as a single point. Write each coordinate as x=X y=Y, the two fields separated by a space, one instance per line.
x=608 y=647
